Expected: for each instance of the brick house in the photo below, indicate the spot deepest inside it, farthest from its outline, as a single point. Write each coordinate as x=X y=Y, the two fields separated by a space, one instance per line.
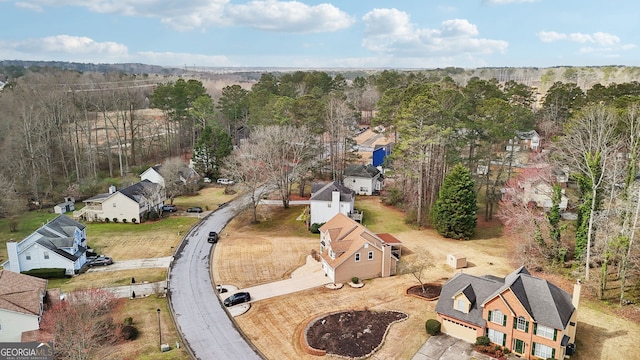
x=532 y=317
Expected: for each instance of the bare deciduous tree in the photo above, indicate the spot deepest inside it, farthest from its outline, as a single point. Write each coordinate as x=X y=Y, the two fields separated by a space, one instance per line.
x=81 y=324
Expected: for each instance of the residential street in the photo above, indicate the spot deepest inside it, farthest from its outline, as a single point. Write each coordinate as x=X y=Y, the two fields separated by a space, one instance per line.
x=206 y=327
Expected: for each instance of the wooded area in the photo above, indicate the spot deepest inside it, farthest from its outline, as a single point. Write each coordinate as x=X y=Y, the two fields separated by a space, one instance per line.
x=65 y=133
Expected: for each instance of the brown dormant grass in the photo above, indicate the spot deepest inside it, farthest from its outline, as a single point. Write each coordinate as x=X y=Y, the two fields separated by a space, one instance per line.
x=251 y=254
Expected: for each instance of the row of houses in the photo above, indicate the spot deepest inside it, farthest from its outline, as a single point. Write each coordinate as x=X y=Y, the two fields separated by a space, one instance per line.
x=530 y=316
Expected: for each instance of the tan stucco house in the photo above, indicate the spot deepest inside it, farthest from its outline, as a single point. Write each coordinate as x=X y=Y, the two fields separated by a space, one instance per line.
x=348 y=249
x=22 y=300
x=532 y=317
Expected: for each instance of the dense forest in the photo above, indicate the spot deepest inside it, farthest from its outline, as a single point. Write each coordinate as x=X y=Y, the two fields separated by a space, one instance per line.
x=72 y=133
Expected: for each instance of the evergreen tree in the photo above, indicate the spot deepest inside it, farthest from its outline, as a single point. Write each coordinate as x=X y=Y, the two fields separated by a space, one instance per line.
x=454 y=213
x=213 y=146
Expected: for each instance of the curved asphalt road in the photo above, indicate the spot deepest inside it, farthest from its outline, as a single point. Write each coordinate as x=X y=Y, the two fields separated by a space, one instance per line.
x=206 y=328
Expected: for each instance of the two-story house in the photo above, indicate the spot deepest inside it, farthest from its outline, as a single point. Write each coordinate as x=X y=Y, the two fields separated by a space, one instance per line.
x=327 y=200
x=532 y=317
x=127 y=205
x=524 y=140
x=363 y=179
x=60 y=243
x=348 y=249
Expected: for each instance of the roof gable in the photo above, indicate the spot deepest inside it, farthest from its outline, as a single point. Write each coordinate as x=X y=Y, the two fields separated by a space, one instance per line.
x=363 y=171
x=140 y=189
x=325 y=193
x=21 y=293
x=473 y=287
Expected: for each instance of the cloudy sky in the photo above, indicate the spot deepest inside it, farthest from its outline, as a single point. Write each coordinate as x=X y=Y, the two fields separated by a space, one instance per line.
x=323 y=33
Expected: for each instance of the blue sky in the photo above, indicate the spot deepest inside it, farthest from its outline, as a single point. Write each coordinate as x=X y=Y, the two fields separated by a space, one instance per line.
x=324 y=34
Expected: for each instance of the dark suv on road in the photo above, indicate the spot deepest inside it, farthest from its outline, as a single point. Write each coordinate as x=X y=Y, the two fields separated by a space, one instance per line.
x=213 y=237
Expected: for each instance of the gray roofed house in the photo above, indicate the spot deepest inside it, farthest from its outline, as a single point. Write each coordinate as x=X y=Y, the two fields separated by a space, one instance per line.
x=328 y=200
x=60 y=243
x=529 y=315
x=363 y=179
x=127 y=205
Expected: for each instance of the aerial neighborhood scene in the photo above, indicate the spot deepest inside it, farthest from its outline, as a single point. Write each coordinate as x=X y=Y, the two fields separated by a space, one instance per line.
x=277 y=179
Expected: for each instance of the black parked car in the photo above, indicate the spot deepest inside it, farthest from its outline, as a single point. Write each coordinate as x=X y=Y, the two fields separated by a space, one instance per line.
x=237 y=298
x=213 y=237
x=195 y=209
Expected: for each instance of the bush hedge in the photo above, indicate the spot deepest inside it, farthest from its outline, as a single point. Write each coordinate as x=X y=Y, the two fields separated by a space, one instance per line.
x=433 y=327
x=47 y=273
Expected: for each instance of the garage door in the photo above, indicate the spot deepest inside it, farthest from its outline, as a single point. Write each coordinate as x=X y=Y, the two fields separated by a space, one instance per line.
x=459 y=330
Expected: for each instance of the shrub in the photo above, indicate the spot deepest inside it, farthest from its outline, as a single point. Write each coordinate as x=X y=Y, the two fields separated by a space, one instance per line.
x=153 y=214
x=133 y=220
x=128 y=320
x=106 y=220
x=129 y=332
x=47 y=273
x=506 y=350
x=115 y=220
x=433 y=327
x=315 y=228
x=124 y=221
x=355 y=280
x=483 y=341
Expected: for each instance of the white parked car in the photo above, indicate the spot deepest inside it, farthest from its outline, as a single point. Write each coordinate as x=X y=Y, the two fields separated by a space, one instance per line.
x=225 y=181
x=207 y=180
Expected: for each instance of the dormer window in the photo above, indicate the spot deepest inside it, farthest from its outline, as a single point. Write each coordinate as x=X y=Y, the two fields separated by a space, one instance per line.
x=461 y=305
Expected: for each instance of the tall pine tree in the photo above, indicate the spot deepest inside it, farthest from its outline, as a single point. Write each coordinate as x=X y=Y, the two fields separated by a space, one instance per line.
x=454 y=214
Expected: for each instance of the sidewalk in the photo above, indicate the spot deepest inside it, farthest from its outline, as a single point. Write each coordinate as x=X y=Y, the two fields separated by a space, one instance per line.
x=141 y=289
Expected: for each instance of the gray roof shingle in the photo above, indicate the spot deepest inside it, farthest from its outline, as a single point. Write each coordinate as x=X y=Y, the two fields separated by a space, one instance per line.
x=363 y=171
x=546 y=303
x=324 y=193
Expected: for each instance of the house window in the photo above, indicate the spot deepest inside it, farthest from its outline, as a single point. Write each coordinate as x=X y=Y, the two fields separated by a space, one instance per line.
x=28 y=256
x=461 y=305
x=357 y=256
x=496 y=337
x=497 y=317
x=46 y=255
x=370 y=256
x=522 y=324
x=543 y=351
x=545 y=332
x=114 y=204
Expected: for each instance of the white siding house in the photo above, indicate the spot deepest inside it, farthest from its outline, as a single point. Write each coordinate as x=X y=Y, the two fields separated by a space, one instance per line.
x=329 y=200
x=363 y=179
x=60 y=243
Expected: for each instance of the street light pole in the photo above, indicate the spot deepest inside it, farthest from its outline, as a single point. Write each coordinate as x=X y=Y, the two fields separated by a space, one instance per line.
x=159 y=331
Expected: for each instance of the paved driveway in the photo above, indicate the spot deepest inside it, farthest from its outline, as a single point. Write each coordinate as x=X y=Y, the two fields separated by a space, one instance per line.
x=162 y=262
x=445 y=347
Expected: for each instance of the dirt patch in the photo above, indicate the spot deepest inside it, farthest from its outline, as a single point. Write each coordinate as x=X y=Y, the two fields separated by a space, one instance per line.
x=354 y=334
x=430 y=292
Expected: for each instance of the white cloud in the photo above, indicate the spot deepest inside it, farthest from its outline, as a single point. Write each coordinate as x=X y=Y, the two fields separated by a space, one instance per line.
x=390 y=31
x=29 y=6
x=64 y=48
x=289 y=16
x=285 y=16
x=598 y=38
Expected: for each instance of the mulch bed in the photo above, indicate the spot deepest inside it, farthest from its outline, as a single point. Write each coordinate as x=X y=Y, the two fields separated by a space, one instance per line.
x=431 y=291
x=353 y=334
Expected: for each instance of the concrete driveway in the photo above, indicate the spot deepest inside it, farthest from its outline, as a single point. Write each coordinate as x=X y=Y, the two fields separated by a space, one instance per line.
x=308 y=276
x=445 y=347
x=162 y=262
